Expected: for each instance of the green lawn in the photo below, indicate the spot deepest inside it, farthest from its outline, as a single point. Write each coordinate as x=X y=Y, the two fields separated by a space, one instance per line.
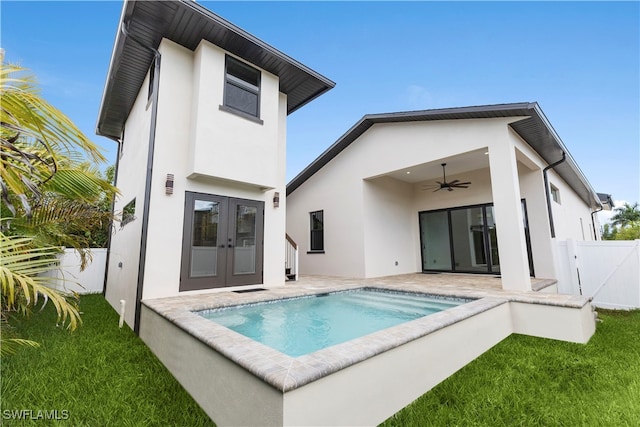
x=525 y=381
x=104 y=376
x=100 y=374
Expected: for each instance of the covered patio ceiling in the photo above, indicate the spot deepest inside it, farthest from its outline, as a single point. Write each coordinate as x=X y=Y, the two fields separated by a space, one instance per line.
x=432 y=171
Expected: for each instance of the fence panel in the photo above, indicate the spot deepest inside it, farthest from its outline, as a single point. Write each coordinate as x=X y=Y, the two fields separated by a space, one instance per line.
x=608 y=271
x=89 y=281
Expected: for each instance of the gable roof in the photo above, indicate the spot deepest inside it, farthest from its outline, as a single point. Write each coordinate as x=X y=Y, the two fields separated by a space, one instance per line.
x=187 y=23
x=534 y=128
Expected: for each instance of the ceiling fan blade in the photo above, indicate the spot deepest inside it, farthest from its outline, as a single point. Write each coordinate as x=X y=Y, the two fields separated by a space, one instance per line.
x=454 y=181
x=430 y=187
x=460 y=186
x=464 y=183
x=437 y=189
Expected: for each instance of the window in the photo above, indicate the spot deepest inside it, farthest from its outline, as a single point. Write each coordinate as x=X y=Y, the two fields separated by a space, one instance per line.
x=555 y=194
x=242 y=88
x=317 y=231
x=128 y=213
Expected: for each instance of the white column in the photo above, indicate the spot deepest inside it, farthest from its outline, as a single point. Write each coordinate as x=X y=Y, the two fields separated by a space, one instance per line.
x=512 y=246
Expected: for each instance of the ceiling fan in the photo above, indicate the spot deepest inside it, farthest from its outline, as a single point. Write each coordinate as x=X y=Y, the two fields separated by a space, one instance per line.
x=444 y=185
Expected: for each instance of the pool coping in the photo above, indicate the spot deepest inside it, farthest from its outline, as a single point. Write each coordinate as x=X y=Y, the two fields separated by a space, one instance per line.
x=286 y=373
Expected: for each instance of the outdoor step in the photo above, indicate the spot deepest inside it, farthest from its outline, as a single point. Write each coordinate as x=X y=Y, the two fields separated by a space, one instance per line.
x=416 y=300
x=398 y=304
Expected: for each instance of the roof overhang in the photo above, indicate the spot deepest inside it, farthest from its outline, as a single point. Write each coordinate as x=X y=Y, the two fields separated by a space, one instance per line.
x=533 y=127
x=187 y=23
x=606 y=200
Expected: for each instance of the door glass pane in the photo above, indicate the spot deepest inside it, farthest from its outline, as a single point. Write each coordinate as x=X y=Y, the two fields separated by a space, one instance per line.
x=244 y=255
x=467 y=227
x=493 y=240
x=204 y=242
x=436 y=248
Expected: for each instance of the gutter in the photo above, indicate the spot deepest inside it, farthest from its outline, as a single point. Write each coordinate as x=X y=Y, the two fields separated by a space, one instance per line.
x=147 y=187
x=548 y=193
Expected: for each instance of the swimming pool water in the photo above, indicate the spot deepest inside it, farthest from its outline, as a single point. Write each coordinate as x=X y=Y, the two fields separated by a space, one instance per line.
x=303 y=325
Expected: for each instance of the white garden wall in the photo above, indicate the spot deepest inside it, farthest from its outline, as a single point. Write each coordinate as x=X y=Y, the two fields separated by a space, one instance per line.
x=608 y=271
x=88 y=281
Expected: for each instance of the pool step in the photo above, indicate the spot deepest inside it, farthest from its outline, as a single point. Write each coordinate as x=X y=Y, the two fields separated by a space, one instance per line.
x=406 y=298
x=398 y=303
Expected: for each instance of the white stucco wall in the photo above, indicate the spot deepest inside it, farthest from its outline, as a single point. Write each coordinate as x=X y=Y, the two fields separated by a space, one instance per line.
x=366 y=217
x=205 y=149
x=125 y=241
x=362 y=203
x=226 y=145
x=572 y=216
x=174 y=147
x=339 y=195
x=391 y=227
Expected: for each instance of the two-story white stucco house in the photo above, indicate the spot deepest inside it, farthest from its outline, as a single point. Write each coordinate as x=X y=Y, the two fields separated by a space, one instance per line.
x=481 y=189
x=198 y=108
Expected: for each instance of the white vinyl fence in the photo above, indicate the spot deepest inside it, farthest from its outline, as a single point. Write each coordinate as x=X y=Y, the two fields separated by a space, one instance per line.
x=89 y=281
x=607 y=271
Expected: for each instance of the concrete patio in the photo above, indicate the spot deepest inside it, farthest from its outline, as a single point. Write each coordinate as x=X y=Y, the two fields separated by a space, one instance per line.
x=438 y=280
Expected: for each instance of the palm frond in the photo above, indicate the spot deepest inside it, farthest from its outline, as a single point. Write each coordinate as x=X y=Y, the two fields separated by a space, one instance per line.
x=9 y=346
x=23 y=281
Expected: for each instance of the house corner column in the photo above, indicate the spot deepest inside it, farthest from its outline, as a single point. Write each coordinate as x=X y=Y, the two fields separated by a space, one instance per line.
x=505 y=186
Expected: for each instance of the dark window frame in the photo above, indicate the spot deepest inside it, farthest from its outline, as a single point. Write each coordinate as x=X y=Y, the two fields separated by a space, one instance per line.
x=316 y=232
x=235 y=79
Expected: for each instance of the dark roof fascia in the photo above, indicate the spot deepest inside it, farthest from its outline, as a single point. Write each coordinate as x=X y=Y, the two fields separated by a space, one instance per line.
x=606 y=200
x=187 y=23
x=534 y=128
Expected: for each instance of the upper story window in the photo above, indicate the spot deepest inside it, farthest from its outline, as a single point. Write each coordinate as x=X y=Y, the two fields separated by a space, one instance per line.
x=555 y=193
x=242 y=87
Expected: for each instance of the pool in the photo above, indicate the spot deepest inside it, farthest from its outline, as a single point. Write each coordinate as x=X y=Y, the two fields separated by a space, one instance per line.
x=362 y=381
x=299 y=326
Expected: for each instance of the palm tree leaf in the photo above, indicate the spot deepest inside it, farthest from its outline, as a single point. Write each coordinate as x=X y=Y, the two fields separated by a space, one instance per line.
x=22 y=279
x=10 y=346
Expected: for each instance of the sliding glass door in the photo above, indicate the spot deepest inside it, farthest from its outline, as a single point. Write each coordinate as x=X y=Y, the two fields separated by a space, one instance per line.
x=462 y=240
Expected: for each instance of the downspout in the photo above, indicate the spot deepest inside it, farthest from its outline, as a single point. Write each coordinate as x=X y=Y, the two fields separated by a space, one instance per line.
x=147 y=188
x=548 y=193
x=593 y=222
x=113 y=206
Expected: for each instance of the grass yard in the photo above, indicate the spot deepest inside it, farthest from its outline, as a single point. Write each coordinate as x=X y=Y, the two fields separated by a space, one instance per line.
x=104 y=376
x=525 y=381
x=100 y=374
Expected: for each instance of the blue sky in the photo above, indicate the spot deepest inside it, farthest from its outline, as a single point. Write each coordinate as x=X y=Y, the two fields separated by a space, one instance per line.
x=579 y=60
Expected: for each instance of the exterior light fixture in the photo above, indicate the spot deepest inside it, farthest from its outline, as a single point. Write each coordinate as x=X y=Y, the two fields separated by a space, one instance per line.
x=168 y=185
x=276 y=199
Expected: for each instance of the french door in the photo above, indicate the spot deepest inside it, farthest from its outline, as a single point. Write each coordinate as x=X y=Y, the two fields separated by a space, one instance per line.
x=222 y=242
x=463 y=240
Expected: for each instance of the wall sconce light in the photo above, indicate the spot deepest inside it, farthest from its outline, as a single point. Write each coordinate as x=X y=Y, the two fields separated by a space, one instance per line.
x=168 y=185
x=276 y=199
